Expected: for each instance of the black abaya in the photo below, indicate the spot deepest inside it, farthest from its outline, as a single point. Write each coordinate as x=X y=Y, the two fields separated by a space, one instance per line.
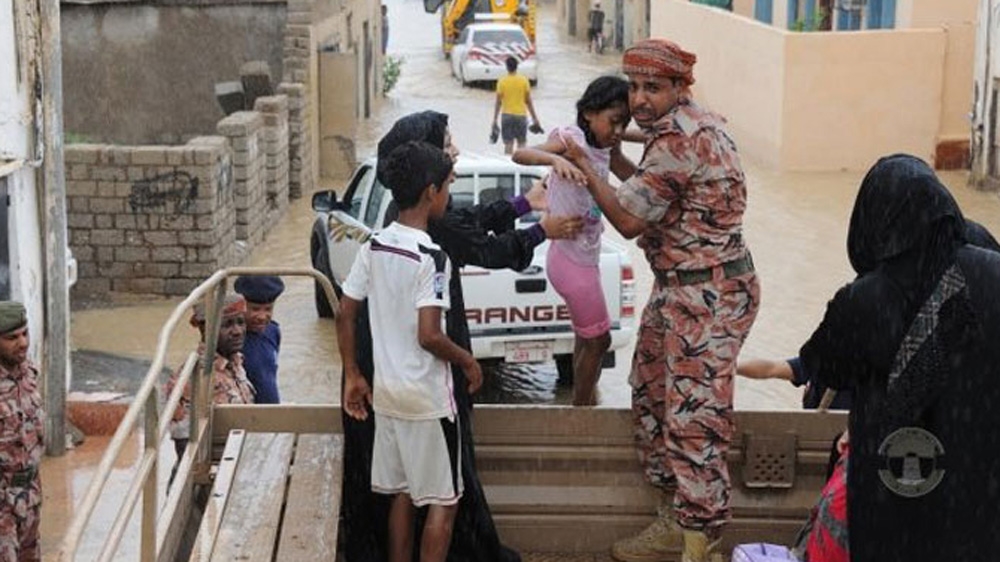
x=906 y=235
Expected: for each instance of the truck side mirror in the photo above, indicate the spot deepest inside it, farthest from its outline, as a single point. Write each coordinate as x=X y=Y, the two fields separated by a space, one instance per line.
x=324 y=201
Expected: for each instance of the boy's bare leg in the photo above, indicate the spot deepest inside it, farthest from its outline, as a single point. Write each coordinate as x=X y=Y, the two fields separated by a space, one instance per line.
x=508 y=147
x=401 y=528
x=437 y=533
x=588 y=354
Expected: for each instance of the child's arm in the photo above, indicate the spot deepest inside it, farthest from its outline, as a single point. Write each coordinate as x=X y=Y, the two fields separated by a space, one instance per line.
x=620 y=165
x=357 y=394
x=432 y=339
x=549 y=153
x=765 y=369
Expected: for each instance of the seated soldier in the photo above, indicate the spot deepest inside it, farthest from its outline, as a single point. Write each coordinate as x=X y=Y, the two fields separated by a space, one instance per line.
x=229 y=381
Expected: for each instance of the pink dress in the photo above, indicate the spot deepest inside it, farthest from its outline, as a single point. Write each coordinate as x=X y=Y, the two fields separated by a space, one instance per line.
x=572 y=265
x=568 y=198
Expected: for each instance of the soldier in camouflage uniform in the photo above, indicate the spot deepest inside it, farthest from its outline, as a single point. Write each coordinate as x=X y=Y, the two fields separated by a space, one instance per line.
x=685 y=201
x=230 y=384
x=21 y=446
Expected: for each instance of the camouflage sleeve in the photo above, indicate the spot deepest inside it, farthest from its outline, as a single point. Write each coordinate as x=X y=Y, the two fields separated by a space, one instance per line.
x=667 y=167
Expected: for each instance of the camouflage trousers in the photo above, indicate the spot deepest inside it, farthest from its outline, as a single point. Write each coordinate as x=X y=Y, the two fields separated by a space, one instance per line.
x=682 y=391
x=20 y=515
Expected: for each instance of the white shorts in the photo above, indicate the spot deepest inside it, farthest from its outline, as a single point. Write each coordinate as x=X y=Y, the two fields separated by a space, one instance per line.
x=421 y=458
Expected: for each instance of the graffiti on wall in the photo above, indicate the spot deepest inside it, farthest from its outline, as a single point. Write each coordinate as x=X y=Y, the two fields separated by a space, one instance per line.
x=156 y=193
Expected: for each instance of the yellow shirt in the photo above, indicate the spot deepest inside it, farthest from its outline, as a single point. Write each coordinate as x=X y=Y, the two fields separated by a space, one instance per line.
x=513 y=91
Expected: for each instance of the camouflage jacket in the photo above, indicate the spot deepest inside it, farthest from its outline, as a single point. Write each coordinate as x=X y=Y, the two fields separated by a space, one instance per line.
x=22 y=421
x=691 y=188
x=230 y=385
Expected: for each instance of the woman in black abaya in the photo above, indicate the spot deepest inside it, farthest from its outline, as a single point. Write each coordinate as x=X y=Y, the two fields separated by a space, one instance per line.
x=915 y=337
x=484 y=236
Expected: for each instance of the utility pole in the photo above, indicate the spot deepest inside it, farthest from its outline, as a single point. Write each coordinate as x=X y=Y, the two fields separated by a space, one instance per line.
x=56 y=360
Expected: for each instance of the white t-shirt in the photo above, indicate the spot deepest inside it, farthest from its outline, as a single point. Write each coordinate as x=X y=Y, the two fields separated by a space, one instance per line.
x=400 y=270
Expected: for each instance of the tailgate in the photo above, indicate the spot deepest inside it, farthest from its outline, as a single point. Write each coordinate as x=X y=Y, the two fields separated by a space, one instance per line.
x=505 y=302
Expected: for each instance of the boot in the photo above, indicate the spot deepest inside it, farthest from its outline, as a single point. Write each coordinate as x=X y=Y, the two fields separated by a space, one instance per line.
x=657 y=543
x=698 y=547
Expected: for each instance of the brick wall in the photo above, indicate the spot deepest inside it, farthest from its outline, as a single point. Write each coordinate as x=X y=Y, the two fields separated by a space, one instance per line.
x=274 y=110
x=245 y=131
x=300 y=141
x=149 y=219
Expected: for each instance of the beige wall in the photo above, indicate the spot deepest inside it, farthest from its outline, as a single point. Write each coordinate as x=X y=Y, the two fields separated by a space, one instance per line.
x=743 y=7
x=931 y=13
x=825 y=101
x=958 y=79
x=852 y=97
x=739 y=71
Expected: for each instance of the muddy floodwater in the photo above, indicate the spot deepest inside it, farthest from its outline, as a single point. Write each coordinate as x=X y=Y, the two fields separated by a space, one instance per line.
x=796 y=225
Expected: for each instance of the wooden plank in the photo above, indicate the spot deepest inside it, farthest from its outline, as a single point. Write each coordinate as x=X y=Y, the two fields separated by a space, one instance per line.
x=309 y=530
x=305 y=418
x=211 y=520
x=252 y=515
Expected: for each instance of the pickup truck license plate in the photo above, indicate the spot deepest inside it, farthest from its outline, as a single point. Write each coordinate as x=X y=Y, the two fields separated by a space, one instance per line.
x=528 y=351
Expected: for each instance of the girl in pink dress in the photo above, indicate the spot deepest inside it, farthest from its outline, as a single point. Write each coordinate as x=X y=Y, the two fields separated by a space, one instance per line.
x=601 y=117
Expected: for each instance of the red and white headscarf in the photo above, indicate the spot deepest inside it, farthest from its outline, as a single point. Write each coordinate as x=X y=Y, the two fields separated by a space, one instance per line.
x=233 y=305
x=659 y=57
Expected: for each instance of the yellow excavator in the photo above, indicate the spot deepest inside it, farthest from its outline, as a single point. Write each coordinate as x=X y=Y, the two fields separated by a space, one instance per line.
x=456 y=14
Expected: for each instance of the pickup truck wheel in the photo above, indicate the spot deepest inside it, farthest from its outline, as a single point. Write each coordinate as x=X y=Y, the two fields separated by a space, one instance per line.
x=321 y=262
x=564 y=367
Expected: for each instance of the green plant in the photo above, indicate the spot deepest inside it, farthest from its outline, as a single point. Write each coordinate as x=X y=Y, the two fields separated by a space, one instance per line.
x=392 y=67
x=815 y=24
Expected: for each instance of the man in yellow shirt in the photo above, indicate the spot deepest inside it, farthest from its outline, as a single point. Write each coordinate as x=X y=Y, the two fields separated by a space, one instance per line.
x=514 y=97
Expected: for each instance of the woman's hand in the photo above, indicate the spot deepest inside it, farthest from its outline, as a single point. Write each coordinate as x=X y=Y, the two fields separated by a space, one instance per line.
x=565 y=227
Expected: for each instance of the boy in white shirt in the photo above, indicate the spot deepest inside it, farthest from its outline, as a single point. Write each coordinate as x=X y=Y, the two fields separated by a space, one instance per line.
x=405 y=277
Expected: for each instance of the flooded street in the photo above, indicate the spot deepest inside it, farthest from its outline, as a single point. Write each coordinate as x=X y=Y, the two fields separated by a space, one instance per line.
x=796 y=226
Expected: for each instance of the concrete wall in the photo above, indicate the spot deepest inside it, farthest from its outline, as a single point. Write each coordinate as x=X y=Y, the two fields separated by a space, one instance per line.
x=852 y=97
x=274 y=110
x=159 y=219
x=930 y=13
x=958 y=79
x=737 y=51
x=150 y=219
x=824 y=101
x=244 y=129
x=744 y=7
x=145 y=74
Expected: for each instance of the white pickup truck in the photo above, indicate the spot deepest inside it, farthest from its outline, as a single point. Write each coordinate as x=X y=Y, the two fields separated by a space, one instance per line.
x=514 y=316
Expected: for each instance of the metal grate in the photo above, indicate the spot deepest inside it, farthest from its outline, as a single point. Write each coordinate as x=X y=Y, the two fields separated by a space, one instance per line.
x=769 y=461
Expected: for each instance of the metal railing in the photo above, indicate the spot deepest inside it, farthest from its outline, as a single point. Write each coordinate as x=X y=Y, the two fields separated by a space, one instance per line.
x=160 y=531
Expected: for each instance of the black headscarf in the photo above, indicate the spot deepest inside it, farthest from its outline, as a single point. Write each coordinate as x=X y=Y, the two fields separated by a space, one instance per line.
x=907 y=225
x=902 y=209
x=428 y=126
x=977 y=235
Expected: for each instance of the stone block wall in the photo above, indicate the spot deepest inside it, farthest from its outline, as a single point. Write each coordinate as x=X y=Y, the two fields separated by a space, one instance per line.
x=300 y=142
x=274 y=110
x=149 y=219
x=245 y=131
